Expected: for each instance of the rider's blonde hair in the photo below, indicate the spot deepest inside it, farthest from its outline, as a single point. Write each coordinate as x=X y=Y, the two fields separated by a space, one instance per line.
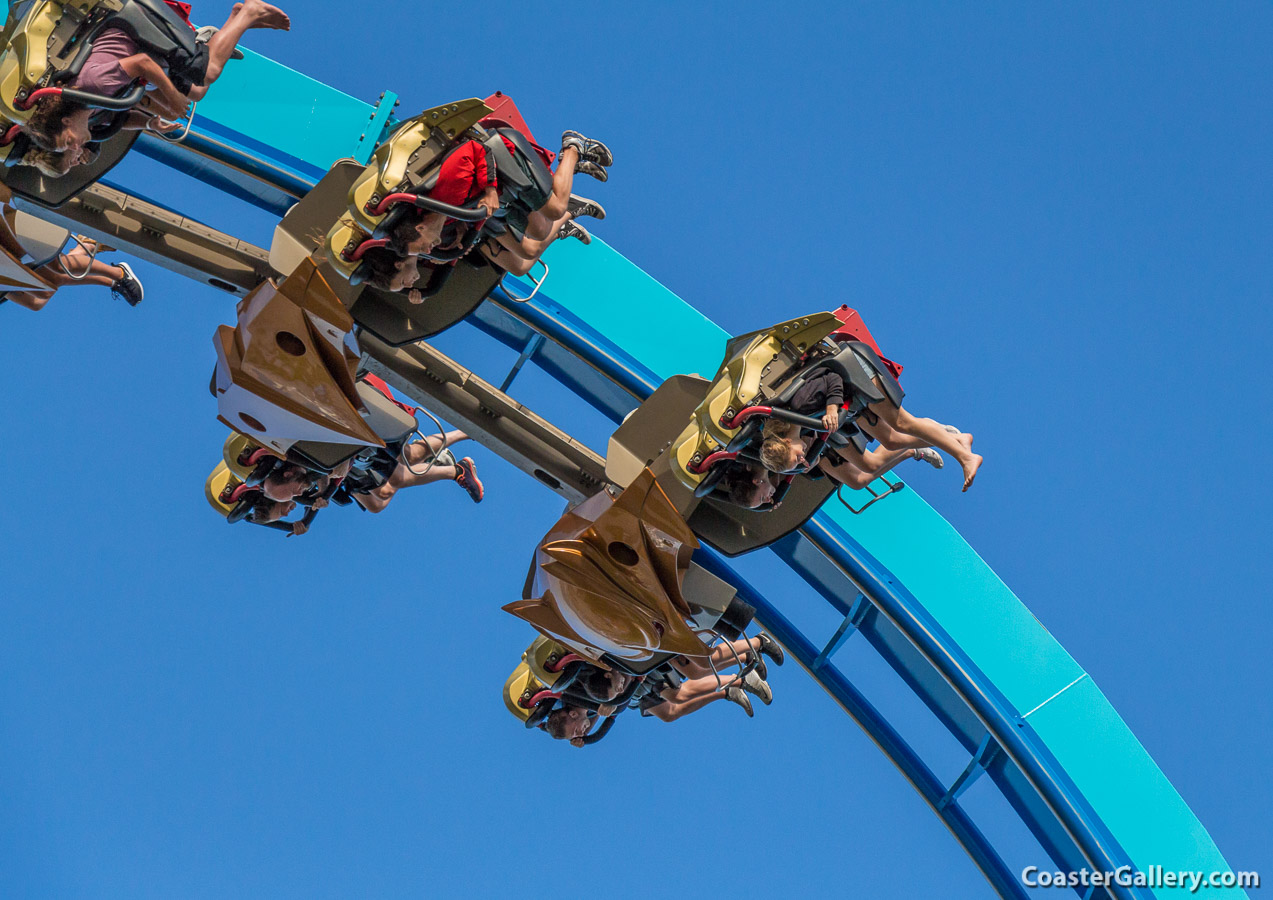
x=775 y=454
x=50 y=163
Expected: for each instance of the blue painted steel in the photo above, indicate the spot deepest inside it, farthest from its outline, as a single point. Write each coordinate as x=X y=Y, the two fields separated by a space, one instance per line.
x=1080 y=827
x=379 y=124
x=1076 y=836
x=267 y=134
x=975 y=769
x=528 y=353
x=844 y=632
x=877 y=728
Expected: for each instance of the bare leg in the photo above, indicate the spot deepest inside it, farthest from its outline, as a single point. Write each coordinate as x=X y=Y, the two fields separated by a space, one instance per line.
x=729 y=654
x=671 y=710
x=417 y=457
x=503 y=258
x=533 y=249
x=510 y=254
x=448 y=439
x=99 y=273
x=508 y=242
x=375 y=501
x=441 y=442
x=30 y=299
x=860 y=469
x=723 y=656
x=536 y=224
x=957 y=445
x=696 y=687
x=563 y=184
x=890 y=439
x=252 y=14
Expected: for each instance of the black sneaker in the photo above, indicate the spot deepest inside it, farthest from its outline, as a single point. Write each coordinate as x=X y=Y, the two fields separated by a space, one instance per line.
x=591 y=168
x=582 y=206
x=573 y=229
x=468 y=479
x=592 y=151
x=129 y=287
x=771 y=648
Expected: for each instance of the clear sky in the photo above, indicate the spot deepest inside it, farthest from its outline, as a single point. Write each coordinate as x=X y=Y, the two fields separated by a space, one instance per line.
x=1056 y=215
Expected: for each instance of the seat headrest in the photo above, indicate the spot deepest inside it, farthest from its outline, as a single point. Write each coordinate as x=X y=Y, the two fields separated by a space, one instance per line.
x=539 y=715
x=217 y=482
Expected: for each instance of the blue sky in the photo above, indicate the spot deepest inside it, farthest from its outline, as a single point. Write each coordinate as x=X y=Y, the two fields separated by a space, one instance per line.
x=1055 y=215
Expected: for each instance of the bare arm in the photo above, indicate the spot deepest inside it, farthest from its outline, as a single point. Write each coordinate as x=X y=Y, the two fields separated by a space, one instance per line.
x=170 y=100
x=140 y=120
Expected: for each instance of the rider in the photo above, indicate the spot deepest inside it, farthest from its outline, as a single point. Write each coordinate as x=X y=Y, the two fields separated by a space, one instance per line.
x=748 y=485
x=597 y=688
x=533 y=222
x=901 y=436
x=119 y=278
x=116 y=61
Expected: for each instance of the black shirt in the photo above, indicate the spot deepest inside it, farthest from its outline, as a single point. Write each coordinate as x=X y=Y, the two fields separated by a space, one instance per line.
x=817 y=393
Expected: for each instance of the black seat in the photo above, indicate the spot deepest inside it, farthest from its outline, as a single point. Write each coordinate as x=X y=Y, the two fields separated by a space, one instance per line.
x=523 y=172
x=31 y=185
x=857 y=365
x=158 y=29
x=155 y=26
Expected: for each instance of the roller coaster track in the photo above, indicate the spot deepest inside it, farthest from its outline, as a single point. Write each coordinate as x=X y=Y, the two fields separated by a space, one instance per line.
x=902 y=580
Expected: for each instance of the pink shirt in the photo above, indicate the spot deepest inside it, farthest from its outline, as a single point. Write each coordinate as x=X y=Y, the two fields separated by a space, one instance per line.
x=102 y=73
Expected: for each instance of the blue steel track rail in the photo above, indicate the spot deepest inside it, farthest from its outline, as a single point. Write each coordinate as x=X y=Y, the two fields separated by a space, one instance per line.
x=859 y=573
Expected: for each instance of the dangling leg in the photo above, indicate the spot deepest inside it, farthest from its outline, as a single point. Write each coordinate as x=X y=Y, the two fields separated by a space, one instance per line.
x=693 y=695
x=501 y=257
x=448 y=439
x=860 y=469
x=245 y=16
x=99 y=273
x=533 y=249
x=412 y=472
x=563 y=182
x=889 y=438
x=933 y=432
x=376 y=500
x=30 y=299
x=517 y=258
x=670 y=710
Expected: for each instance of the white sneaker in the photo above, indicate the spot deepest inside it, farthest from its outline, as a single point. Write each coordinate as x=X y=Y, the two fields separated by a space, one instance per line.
x=930 y=456
x=754 y=684
x=736 y=695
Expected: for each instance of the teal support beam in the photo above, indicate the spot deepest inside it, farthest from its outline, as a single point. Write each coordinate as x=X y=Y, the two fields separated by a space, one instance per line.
x=379 y=125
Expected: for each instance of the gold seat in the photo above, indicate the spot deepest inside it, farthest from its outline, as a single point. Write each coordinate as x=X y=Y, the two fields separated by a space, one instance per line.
x=756 y=367
x=342 y=240
x=520 y=687
x=238 y=445
x=544 y=656
x=404 y=162
x=220 y=481
x=41 y=44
